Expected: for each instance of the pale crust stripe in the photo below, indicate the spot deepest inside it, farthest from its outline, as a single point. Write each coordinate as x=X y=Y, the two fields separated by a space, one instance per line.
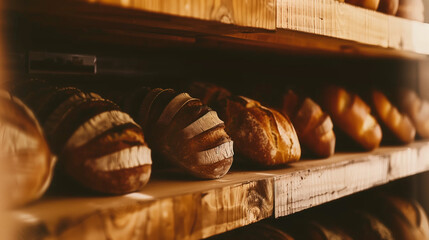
x=204 y=123
x=173 y=108
x=54 y=120
x=325 y=127
x=96 y=126
x=14 y=140
x=127 y=158
x=216 y=154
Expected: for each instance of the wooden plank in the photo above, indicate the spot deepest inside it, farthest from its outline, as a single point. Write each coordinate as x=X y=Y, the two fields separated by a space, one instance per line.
x=345 y=174
x=186 y=209
x=340 y=20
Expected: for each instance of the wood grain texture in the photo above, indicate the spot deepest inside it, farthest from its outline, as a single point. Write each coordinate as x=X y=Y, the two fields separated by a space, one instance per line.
x=340 y=20
x=345 y=174
x=184 y=209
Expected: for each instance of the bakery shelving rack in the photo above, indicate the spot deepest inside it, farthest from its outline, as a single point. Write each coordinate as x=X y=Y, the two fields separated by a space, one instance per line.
x=189 y=209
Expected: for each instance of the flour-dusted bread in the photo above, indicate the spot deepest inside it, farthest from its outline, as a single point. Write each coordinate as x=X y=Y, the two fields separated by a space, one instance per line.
x=417 y=110
x=183 y=130
x=411 y=9
x=399 y=125
x=405 y=218
x=313 y=126
x=98 y=145
x=25 y=152
x=352 y=116
x=261 y=134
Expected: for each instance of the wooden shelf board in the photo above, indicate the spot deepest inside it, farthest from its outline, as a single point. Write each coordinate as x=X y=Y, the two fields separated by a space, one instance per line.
x=344 y=21
x=191 y=209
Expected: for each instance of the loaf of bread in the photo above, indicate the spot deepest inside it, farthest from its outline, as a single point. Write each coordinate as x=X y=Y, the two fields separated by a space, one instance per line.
x=388 y=6
x=399 y=125
x=368 y=4
x=183 y=130
x=254 y=232
x=411 y=9
x=363 y=225
x=98 y=145
x=261 y=134
x=313 y=126
x=352 y=116
x=405 y=218
x=417 y=110
x=25 y=152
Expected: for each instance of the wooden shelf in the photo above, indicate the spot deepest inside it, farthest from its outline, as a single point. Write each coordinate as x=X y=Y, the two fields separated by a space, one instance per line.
x=177 y=208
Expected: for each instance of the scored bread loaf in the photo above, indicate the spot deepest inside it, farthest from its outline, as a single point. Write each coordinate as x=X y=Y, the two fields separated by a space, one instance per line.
x=183 y=130
x=416 y=108
x=405 y=218
x=398 y=124
x=352 y=116
x=25 y=152
x=98 y=145
x=261 y=134
x=313 y=126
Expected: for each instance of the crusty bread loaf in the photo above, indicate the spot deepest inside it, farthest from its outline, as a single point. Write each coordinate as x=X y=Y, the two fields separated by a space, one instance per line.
x=416 y=108
x=254 y=232
x=398 y=124
x=211 y=95
x=313 y=126
x=363 y=225
x=352 y=116
x=369 y=4
x=388 y=6
x=405 y=218
x=183 y=130
x=98 y=145
x=25 y=152
x=411 y=9
x=261 y=134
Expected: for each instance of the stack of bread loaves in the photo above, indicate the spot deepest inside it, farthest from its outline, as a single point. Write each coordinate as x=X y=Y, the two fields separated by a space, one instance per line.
x=98 y=145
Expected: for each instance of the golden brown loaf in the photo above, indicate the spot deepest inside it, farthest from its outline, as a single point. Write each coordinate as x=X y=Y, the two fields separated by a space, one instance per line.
x=406 y=219
x=416 y=108
x=388 y=6
x=25 y=151
x=398 y=124
x=261 y=134
x=352 y=116
x=369 y=4
x=98 y=145
x=313 y=126
x=257 y=231
x=411 y=9
x=183 y=130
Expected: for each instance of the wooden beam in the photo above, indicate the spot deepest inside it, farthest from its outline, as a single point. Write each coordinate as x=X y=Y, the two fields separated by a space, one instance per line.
x=340 y=20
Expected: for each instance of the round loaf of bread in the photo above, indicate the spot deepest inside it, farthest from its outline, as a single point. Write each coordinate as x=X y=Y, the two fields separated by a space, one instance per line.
x=25 y=152
x=254 y=232
x=98 y=145
x=406 y=219
x=398 y=124
x=313 y=126
x=183 y=130
x=261 y=134
x=388 y=6
x=368 y=4
x=352 y=116
x=416 y=109
x=411 y=9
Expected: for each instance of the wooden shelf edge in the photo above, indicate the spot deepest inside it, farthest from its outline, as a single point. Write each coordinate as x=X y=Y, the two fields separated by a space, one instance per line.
x=316 y=185
x=344 y=21
x=190 y=209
